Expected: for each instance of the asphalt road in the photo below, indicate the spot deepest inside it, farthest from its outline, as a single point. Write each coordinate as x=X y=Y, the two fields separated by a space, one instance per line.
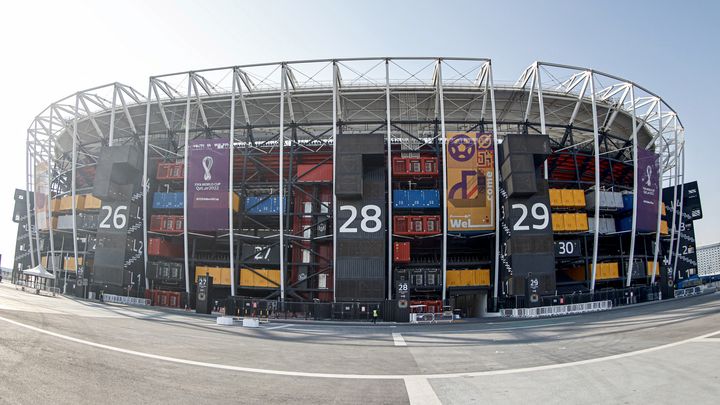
x=60 y=350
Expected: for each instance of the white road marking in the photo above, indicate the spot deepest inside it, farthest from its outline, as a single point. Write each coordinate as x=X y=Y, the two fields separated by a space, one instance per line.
x=709 y=340
x=279 y=327
x=420 y=392
x=355 y=376
x=398 y=339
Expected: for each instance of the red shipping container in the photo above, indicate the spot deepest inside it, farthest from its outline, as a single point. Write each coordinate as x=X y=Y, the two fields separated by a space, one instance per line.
x=161 y=247
x=430 y=166
x=431 y=224
x=156 y=223
x=313 y=173
x=415 y=166
x=163 y=171
x=401 y=252
x=399 y=166
x=417 y=225
x=400 y=224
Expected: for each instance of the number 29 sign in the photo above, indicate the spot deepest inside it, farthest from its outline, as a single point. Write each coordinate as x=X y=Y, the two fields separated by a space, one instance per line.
x=471 y=181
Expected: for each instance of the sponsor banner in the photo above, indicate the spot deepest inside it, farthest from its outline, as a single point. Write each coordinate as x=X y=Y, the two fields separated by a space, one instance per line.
x=691 y=200
x=41 y=188
x=471 y=182
x=648 y=189
x=208 y=185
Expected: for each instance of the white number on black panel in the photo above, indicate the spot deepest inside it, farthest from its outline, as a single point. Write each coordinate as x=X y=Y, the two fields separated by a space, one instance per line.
x=539 y=212
x=567 y=248
x=119 y=217
x=370 y=219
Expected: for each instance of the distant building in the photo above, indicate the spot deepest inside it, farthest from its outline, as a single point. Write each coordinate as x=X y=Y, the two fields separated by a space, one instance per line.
x=708 y=259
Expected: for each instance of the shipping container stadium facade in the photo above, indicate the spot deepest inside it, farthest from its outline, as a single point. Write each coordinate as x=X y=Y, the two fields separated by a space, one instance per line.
x=369 y=179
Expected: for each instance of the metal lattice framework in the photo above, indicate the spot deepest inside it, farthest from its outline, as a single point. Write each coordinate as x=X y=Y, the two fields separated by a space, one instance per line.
x=303 y=105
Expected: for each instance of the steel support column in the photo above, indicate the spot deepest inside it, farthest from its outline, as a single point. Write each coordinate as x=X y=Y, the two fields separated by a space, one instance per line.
x=146 y=182
x=443 y=135
x=596 y=147
x=635 y=188
x=231 y=193
x=73 y=189
x=335 y=78
x=185 y=186
x=281 y=190
x=389 y=171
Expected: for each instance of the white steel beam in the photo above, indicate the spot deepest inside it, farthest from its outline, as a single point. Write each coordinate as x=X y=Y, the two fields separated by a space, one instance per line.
x=336 y=78
x=496 y=188
x=443 y=254
x=231 y=193
x=185 y=185
x=636 y=195
x=389 y=183
x=281 y=185
x=146 y=182
x=596 y=147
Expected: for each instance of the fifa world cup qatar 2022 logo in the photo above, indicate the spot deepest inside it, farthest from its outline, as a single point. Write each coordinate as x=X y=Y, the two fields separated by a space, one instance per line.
x=207 y=164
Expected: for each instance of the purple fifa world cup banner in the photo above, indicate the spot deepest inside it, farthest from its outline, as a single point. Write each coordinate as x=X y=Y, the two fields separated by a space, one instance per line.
x=208 y=185
x=648 y=190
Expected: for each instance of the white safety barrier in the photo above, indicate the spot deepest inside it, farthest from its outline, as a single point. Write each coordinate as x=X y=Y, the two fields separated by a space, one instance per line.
x=430 y=317
x=557 y=310
x=689 y=292
x=119 y=299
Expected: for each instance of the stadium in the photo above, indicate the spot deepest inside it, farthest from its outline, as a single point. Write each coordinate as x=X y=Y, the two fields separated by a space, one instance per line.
x=394 y=182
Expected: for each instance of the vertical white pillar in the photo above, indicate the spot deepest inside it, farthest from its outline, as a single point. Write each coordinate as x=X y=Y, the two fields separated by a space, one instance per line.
x=38 y=252
x=335 y=78
x=51 y=260
x=636 y=196
x=112 y=116
x=443 y=255
x=389 y=171
x=185 y=185
x=681 y=172
x=659 y=214
x=596 y=146
x=541 y=106
x=146 y=182
x=28 y=172
x=73 y=189
x=281 y=187
x=231 y=230
x=496 y=187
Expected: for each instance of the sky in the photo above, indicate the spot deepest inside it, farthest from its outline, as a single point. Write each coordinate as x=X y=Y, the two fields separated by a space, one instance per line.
x=53 y=49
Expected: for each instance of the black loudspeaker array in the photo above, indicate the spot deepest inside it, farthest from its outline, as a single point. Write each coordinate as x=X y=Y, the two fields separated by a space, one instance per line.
x=119 y=250
x=527 y=252
x=203 y=297
x=360 y=185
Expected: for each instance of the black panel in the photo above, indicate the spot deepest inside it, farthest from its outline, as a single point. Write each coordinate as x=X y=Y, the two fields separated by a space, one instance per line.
x=204 y=299
x=361 y=144
x=261 y=254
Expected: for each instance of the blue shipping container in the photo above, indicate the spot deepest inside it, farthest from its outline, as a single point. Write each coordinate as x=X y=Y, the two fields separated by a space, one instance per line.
x=627 y=202
x=264 y=206
x=416 y=199
x=173 y=200
x=624 y=224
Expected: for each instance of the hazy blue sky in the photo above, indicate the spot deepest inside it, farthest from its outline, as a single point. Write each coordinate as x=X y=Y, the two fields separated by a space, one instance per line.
x=52 y=49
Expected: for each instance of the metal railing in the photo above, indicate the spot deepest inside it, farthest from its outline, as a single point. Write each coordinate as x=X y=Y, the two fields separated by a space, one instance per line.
x=557 y=310
x=120 y=299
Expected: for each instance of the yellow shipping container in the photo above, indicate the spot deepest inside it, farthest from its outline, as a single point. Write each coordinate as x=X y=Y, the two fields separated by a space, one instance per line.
x=570 y=222
x=650 y=269
x=555 y=197
x=578 y=198
x=69 y=263
x=236 y=202
x=92 y=202
x=558 y=222
x=453 y=278
x=66 y=203
x=482 y=277
x=567 y=198
x=581 y=221
x=56 y=204
x=664 y=229
x=664 y=209
x=220 y=275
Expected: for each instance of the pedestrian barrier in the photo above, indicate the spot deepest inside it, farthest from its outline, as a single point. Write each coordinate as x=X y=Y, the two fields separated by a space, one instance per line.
x=557 y=310
x=119 y=299
x=430 y=317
